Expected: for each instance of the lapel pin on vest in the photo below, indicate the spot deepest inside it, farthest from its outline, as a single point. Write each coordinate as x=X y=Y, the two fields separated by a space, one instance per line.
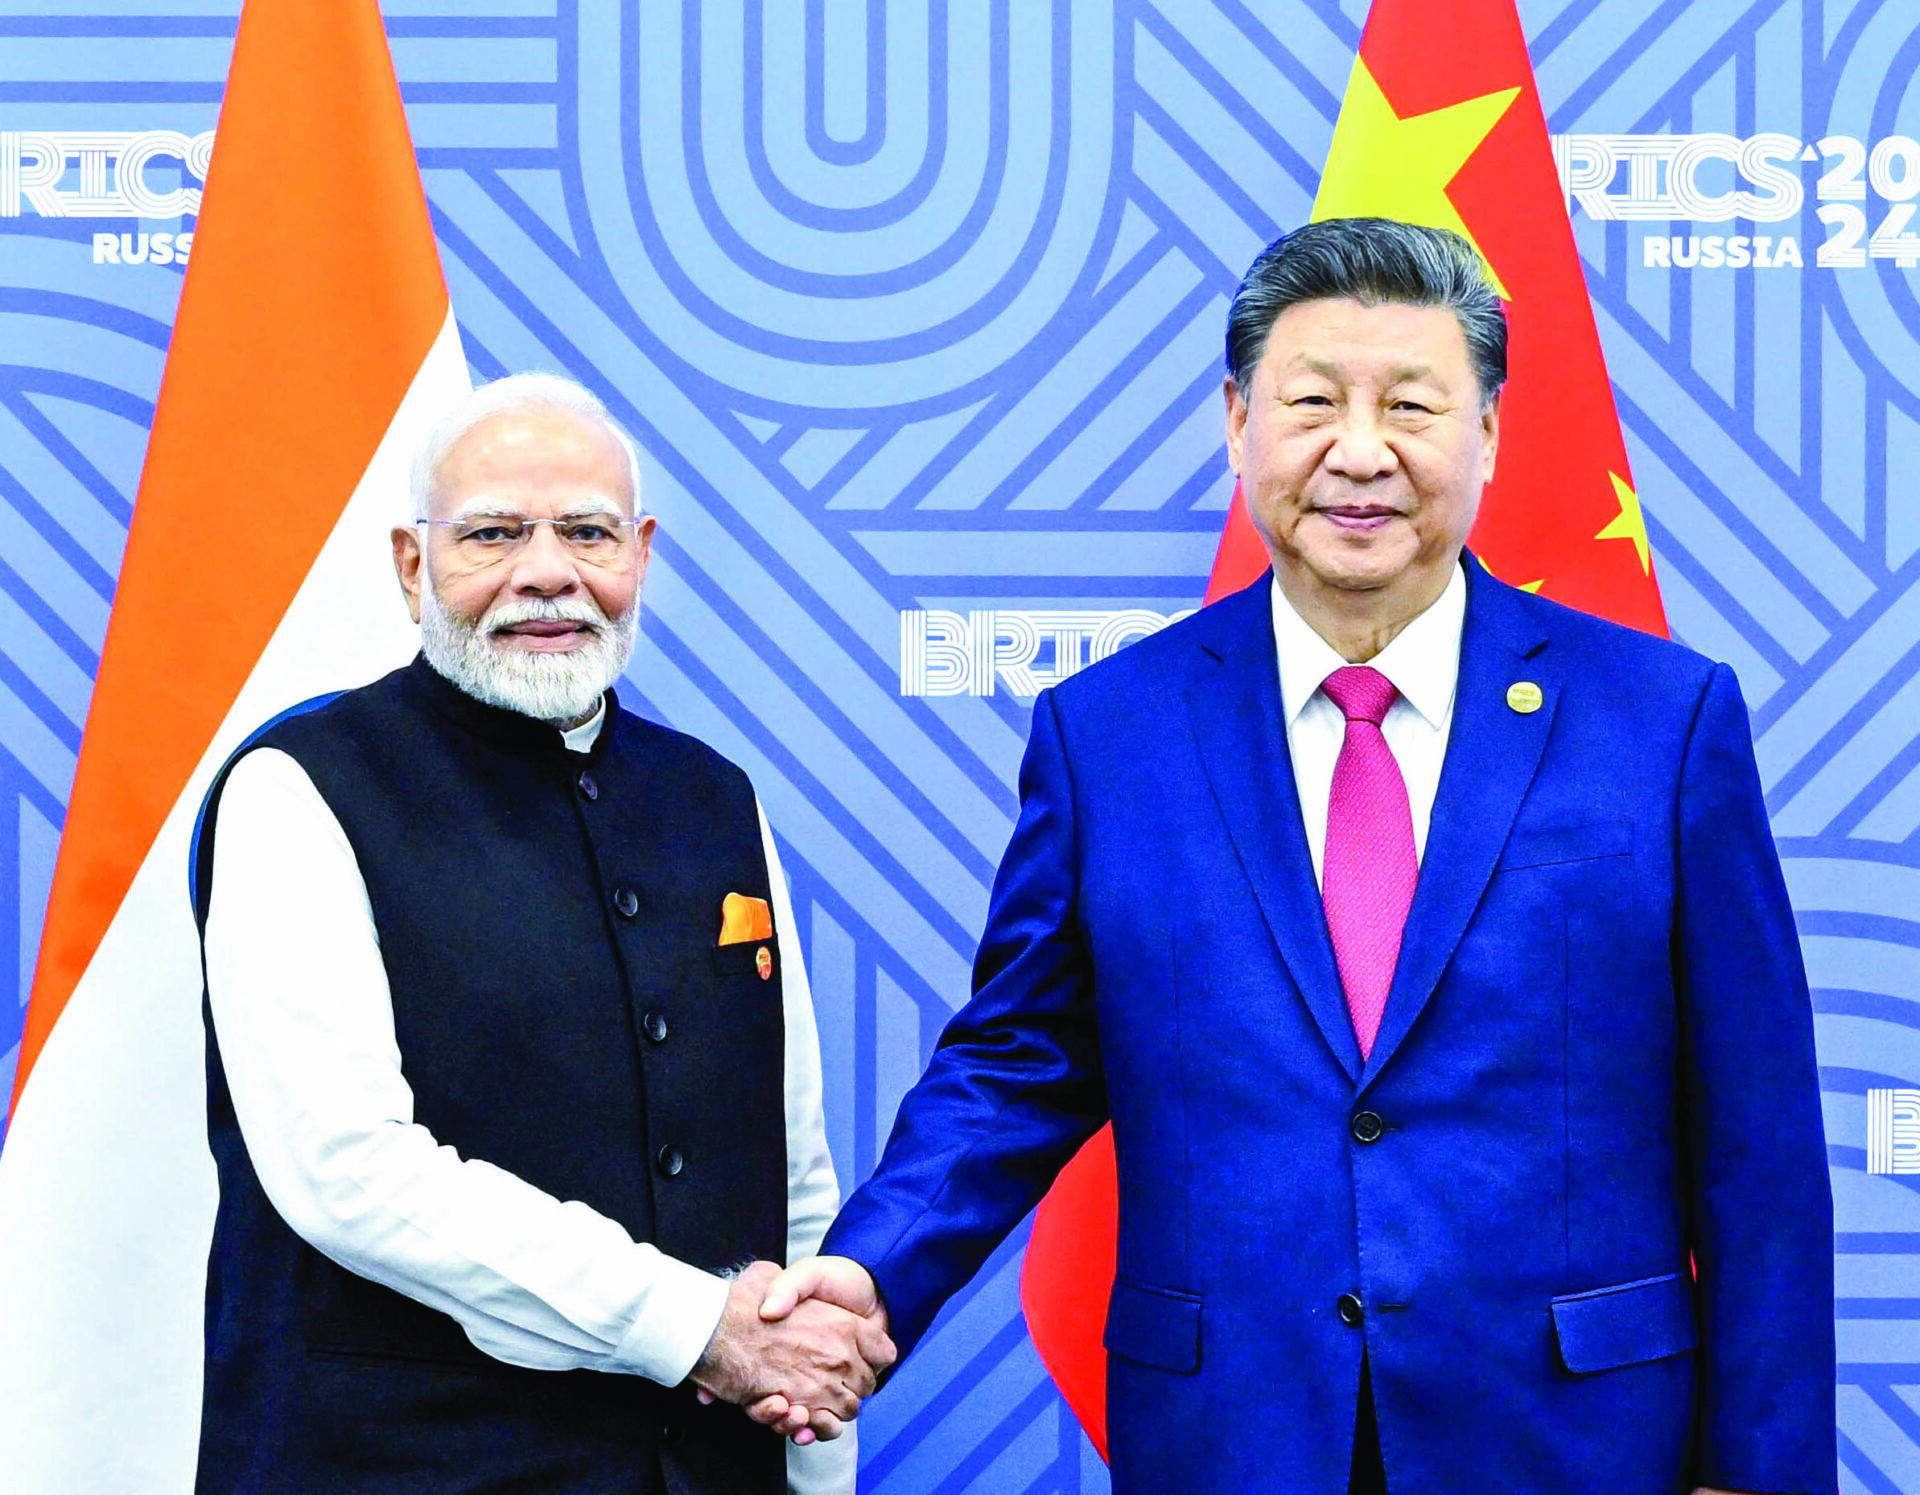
x=1524 y=697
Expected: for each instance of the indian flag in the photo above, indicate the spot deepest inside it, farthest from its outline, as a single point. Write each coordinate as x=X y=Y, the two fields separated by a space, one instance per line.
x=313 y=351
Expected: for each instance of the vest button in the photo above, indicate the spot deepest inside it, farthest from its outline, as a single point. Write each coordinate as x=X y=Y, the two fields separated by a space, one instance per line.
x=627 y=901
x=654 y=1024
x=1367 y=1127
x=588 y=785
x=1350 y=1311
x=669 y=1161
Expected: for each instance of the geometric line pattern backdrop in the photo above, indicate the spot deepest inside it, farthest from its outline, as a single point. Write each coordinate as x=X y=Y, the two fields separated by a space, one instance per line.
x=919 y=306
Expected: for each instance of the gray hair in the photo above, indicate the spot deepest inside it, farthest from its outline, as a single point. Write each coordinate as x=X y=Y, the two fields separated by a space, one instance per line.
x=514 y=392
x=1372 y=261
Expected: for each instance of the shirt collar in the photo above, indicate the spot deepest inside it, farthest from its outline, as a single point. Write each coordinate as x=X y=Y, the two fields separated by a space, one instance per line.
x=579 y=739
x=1423 y=661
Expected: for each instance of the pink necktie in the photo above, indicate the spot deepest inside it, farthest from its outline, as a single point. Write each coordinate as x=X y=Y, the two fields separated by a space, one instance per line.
x=1368 y=873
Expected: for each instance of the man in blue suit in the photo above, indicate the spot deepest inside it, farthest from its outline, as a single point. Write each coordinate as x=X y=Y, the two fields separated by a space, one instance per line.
x=1426 y=945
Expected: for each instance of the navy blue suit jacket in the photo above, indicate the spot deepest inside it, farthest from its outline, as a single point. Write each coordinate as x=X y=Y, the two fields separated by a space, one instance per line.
x=1596 y=1063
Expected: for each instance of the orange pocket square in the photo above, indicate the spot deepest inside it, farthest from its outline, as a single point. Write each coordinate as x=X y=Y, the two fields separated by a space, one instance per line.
x=743 y=919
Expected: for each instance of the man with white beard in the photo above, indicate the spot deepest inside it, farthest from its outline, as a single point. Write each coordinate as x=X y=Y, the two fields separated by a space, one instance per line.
x=512 y=1061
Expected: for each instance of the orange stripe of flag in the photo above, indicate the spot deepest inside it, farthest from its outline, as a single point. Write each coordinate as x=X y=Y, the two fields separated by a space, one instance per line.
x=313 y=296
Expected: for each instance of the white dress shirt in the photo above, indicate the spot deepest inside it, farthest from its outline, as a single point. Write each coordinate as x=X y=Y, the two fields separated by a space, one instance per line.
x=303 y=1013
x=1423 y=662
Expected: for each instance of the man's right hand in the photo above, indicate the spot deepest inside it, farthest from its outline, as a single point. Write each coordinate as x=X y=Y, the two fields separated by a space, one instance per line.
x=844 y=1283
x=815 y=1356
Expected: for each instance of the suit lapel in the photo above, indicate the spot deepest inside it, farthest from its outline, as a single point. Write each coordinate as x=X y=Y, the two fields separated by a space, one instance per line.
x=1234 y=707
x=1493 y=753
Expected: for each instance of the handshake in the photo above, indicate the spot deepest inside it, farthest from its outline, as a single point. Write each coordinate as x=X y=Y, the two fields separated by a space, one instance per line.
x=799 y=1349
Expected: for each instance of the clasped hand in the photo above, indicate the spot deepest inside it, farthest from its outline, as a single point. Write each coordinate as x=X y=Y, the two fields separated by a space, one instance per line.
x=799 y=1349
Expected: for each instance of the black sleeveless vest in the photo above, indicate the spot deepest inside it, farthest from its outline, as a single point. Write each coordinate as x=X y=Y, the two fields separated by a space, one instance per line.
x=548 y=922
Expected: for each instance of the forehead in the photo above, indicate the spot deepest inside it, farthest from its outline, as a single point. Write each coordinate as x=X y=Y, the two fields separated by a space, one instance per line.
x=1356 y=339
x=533 y=453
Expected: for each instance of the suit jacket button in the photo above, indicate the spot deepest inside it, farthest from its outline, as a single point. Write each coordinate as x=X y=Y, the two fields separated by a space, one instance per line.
x=1367 y=1127
x=1350 y=1311
x=627 y=901
x=669 y=1161
x=655 y=1026
x=588 y=785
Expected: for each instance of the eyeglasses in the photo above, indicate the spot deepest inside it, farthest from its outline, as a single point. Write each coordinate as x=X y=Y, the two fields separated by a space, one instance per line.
x=486 y=538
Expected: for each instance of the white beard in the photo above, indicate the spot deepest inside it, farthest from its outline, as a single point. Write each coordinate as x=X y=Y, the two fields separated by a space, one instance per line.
x=561 y=689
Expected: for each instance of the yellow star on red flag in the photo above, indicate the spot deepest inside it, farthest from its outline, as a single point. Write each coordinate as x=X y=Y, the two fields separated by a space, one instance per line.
x=1383 y=166
x=1629 y=523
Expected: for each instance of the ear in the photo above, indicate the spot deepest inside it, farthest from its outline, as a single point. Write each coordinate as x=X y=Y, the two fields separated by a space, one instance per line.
x=1236 y=424
x=645 y=530
x=1489 y=436
x=408 y=565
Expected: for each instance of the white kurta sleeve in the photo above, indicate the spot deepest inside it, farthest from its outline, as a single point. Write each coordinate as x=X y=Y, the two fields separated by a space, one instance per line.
x=813 y=1193
x=304 y=1019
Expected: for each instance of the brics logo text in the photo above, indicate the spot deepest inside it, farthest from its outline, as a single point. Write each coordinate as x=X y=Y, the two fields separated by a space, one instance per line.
x=1893 y=1131
x=144 y=174
x=1022 y=651
x=100 y=173
x=1761 y=179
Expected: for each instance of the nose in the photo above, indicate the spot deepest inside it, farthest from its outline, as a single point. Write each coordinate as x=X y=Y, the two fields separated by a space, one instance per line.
x=543 y=567
x=1361 y=451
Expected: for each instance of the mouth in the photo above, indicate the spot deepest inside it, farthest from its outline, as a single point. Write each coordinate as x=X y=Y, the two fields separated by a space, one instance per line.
x=545 y=635
x=1358 y=518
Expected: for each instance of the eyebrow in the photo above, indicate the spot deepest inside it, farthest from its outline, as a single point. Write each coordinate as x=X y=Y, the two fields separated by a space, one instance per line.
x=484 y=508
x=493 y=508
x=588 y=507
x=1402 y=375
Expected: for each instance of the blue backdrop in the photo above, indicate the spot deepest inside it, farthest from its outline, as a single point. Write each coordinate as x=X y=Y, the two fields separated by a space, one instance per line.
x=916 y=309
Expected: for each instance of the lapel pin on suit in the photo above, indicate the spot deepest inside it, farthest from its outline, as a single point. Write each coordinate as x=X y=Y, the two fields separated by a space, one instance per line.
x=1525 y=697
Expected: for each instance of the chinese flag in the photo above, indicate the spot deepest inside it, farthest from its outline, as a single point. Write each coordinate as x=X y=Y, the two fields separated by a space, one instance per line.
x=1441 y=126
